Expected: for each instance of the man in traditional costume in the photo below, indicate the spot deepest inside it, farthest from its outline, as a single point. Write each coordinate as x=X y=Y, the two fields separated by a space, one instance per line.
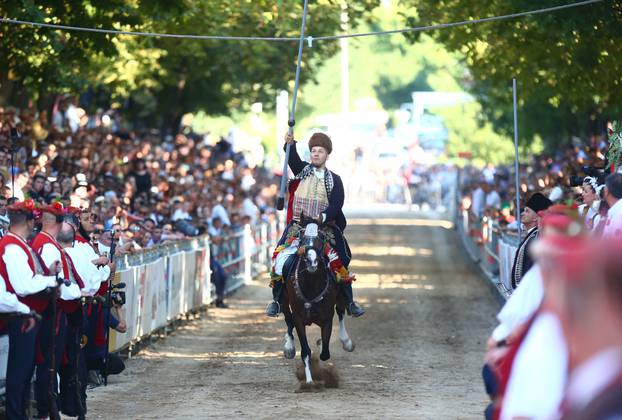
x=529 y=218
x=317 y=193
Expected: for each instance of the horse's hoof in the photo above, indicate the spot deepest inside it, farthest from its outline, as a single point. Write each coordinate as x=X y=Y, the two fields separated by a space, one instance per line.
x=348 y=345
x=289 y=353
x=324 y=357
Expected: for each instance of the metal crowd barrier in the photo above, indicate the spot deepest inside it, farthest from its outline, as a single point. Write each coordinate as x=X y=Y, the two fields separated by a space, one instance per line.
x=167 y=282
x=490 y=248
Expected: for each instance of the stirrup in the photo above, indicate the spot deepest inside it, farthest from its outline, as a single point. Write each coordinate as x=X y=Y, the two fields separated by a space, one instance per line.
x=272 y=313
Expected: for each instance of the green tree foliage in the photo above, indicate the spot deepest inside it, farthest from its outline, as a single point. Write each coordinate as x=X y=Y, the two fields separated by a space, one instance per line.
x=568 y=63
x=160 y=79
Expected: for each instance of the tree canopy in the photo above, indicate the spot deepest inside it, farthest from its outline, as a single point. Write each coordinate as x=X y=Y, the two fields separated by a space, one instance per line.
x=568 y=63
x=160 y=79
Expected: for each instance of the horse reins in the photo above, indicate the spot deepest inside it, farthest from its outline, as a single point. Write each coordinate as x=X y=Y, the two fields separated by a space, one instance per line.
x=308 y=304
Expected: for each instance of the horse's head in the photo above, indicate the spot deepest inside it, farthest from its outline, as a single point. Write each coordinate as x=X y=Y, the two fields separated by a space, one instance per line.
x=311 y=245
x=305 y=220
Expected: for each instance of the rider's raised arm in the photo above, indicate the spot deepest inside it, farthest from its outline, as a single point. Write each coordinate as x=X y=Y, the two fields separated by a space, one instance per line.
x=335 y=201
x=295 y=163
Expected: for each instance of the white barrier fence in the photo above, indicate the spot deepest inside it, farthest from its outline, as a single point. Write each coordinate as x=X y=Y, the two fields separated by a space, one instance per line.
x=166 y=282
x=490 y=248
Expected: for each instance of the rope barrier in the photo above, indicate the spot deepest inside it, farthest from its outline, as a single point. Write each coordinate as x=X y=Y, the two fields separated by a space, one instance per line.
x=310 y=39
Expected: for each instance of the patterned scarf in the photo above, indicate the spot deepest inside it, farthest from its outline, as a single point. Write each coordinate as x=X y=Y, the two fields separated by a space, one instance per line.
x=329 y=183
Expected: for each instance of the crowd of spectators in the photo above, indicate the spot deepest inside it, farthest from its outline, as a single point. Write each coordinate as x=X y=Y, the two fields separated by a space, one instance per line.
x=151 y=188
x=491 y=192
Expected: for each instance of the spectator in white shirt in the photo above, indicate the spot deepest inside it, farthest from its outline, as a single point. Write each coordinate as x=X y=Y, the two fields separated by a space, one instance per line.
x=478 y=202
x=613 y=194
x=215 y=228
x=493 y=200
x=219 y=211
x=181 y=211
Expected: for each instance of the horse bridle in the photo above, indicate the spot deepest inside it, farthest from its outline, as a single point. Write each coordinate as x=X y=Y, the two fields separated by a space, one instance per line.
x=308 y=303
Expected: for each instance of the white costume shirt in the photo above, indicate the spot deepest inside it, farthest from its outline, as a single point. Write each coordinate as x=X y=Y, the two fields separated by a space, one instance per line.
x=521 y=305
x=49 y=254
x=592 y=377
x=24 y=281
x=539 y=373
x=9 y=302
x=91 y=275
x=613 y=226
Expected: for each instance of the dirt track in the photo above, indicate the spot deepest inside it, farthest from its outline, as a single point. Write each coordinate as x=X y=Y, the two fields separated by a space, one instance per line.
x=418 y=349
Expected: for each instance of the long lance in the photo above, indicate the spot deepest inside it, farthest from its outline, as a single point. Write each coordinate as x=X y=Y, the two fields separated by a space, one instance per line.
x=280 y=203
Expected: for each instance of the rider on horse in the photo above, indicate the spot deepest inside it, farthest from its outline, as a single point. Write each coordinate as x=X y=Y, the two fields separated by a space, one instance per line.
x=318 y=193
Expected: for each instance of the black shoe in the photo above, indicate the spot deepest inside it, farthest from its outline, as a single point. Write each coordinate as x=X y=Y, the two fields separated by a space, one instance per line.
x=273 y=309
x=221 y=304
x=354 y=310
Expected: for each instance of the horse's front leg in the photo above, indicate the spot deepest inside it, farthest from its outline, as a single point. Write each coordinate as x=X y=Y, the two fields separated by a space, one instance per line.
x=289 y=349
x=344 y=337
x=305 y=350
x=327 y=330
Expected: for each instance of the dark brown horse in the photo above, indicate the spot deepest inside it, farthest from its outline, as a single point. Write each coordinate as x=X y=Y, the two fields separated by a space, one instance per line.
x=312 y=297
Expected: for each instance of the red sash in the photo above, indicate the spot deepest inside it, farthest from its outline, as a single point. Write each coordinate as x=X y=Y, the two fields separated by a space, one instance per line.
x=293 y=186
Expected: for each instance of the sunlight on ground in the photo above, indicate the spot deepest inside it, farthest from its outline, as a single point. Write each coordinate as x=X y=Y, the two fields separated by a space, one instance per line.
x=150 y=354
x=445 y=224
x=393 y=278
x=395 y=281
x=405 y=251
x=366 y=264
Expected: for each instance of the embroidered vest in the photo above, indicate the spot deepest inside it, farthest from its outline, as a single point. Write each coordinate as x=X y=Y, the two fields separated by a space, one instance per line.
x=36 y=302
x=310 y=198
x=306 y=195
x=517 y=271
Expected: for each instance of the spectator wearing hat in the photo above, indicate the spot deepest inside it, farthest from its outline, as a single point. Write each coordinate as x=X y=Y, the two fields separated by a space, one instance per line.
x=613 y=195
x=529 y=218
x=25 y=275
